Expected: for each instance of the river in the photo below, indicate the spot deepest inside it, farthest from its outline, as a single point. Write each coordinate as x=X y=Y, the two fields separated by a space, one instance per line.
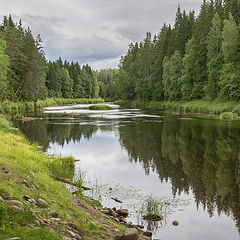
x=190 y=166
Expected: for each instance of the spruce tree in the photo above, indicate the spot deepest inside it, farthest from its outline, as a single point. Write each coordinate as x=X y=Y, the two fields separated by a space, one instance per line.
x=215 y=58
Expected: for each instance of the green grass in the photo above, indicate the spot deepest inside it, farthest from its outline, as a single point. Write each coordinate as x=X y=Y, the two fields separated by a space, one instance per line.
x=19 y=108
x=228 y=115
x=100 y=107
x=27 y=162
x=119 y=227
x=194 y=106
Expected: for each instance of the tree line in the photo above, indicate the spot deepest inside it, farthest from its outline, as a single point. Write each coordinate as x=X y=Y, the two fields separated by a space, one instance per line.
x=26 y=75
x=196 y=58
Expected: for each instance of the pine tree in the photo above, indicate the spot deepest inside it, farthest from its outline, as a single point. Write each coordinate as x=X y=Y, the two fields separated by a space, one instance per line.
x=230 y=78
x=189 y=71
x=215 y=59
x=4 y=64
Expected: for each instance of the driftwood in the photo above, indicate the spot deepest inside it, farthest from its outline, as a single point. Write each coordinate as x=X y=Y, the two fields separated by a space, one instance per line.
x=69 y=182
x=116 y=200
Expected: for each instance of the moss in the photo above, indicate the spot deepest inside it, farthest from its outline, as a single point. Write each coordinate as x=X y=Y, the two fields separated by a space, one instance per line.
x=100 y=107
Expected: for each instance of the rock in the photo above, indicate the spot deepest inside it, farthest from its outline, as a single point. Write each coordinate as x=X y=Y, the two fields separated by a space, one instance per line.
x=122 y=212
x=140 y=226
x=118 y=237
x=15 y=208
x=34 y=213
x=78 y=237
x=153 y=217
x=112 y=212
x=66 y=238
x=130 y=234
x=144 y=238
x=26 y=197
x=72 y=234
x=54 y=214
x=15 y=238
x=6 y=196
x=105 y=211
x=5 y=169
x=26 y=183
x=135 y=226
x=121 y=219
x=32 y=201
x=148 y=234
x=175 y=223
x=46 y=221
x=56 y=220
x=37 y=223
x=72 y=225
x=16 y=202
x=42 y=203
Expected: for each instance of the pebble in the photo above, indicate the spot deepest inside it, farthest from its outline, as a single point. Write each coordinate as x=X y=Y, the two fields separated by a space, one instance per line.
x=148 y=234
x=105 y=211
x=15 y=238
x=175 y=223
x=54 y=214
x=25 y=183
x=72 y=234
x=42 y=203
x=122 y=212
x=18 y=209
x=6 y=196
x=26 y=197
x=16 y=202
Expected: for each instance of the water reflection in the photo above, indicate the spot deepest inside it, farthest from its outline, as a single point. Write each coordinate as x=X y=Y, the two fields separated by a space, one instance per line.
x=197 y=156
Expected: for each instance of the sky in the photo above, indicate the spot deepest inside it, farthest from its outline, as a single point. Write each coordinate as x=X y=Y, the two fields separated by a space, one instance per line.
x=97 y=32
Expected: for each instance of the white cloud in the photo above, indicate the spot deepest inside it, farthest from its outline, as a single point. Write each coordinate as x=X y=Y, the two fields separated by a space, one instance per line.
x=97 y=32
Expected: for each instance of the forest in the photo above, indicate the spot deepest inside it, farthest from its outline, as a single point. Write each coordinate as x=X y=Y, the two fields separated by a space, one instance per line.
x=196 y=58
x=26 y=75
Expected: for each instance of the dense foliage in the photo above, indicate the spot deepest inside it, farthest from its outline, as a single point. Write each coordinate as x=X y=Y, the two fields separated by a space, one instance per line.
x=196 y=58
x=107 y=83
x=26 y=75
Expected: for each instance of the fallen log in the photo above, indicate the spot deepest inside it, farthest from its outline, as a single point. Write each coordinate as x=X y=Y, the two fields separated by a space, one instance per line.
x=69 y=182
x=116 y=200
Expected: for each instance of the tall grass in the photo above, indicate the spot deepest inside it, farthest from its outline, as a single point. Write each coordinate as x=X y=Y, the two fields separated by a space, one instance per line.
x=19 y=108
x=194 y=106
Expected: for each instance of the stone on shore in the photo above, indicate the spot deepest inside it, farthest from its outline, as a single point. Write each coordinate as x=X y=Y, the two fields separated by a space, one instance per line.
x=130 y=234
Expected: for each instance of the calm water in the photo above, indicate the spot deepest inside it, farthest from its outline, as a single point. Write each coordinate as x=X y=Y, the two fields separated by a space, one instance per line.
x=190 y=163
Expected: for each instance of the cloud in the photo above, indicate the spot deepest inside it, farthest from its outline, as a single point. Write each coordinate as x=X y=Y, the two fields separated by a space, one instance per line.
x=93 y=31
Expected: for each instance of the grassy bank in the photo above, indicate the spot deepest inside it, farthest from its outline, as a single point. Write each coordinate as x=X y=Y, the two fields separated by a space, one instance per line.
x=18 y=108
x=30 y=197
x=196 y=106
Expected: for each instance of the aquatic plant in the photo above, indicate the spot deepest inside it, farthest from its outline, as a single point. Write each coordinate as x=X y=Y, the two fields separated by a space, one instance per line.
x=100 y=107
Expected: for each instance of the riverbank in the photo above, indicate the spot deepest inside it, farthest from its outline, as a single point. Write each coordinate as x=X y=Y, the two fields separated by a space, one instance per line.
x=195 y=106
x=35 y=206
x=41 y=200
x=18 y=108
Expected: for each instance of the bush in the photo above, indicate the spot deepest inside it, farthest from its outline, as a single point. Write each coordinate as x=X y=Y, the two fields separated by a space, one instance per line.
x=228 y=115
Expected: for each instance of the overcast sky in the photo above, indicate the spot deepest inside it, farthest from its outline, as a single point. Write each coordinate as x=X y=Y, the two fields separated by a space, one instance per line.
x=97 y=32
